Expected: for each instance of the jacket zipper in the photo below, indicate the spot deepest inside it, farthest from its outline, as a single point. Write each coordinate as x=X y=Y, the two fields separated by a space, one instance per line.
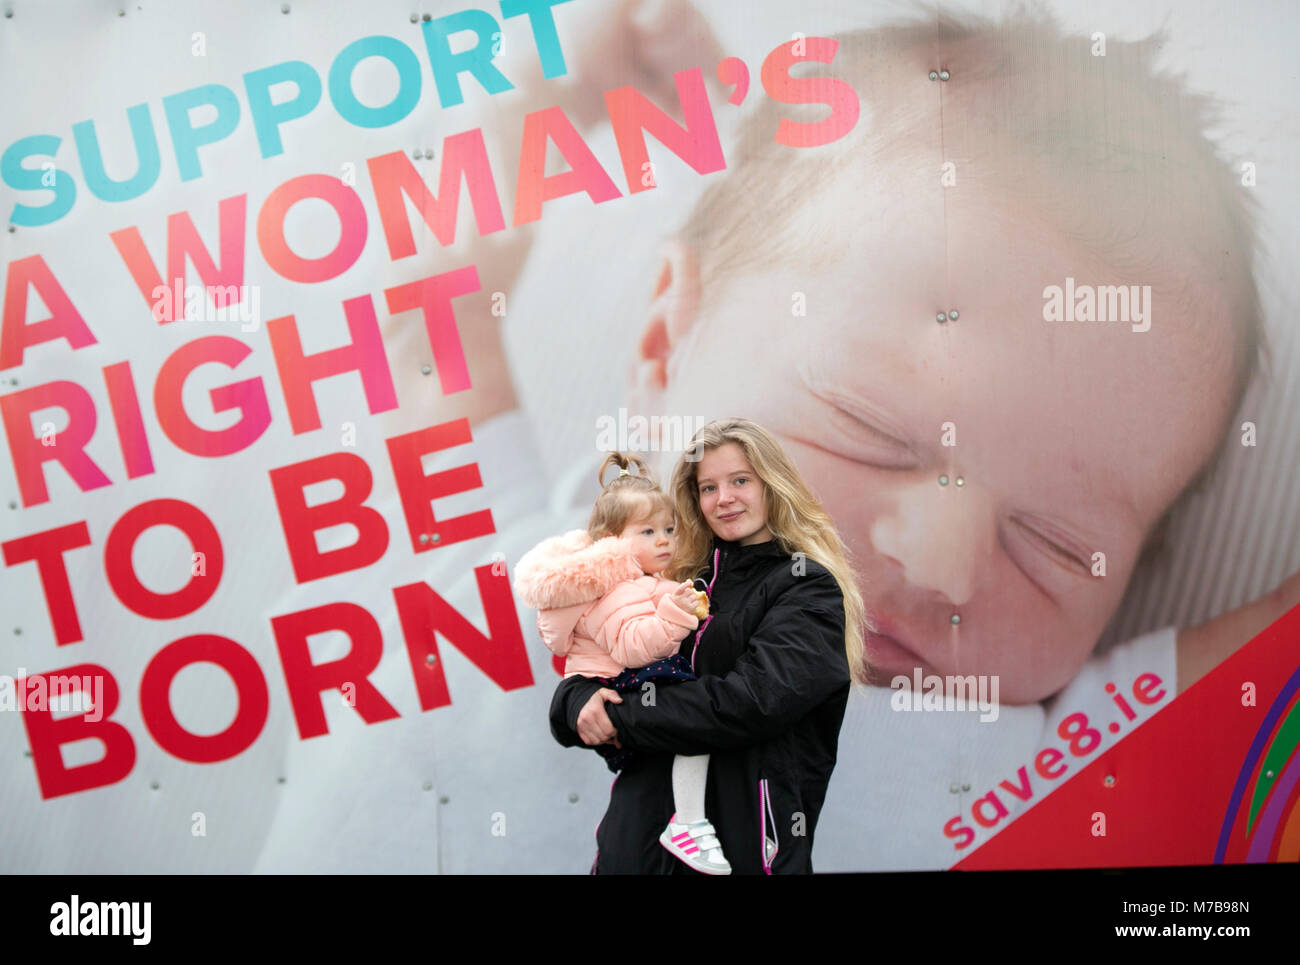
x=708 y=619
x=764 y=813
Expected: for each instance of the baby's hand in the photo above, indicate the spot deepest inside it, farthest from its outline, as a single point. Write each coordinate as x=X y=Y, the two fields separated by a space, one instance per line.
x=614 y=44
x=684 y=596
x=692 y=600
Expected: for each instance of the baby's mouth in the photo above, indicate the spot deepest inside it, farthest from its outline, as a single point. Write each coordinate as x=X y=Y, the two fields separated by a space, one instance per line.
x=892 y=645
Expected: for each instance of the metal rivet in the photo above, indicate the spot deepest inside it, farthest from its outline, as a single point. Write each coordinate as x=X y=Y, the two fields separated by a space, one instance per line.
x=1268 y=774
x=573 y=798
x=425 y=369
x=27 y=753
x=13 y=381
x=444 y=799
x=428 y=17
x=941 y=318
x=431 y=658
x=417 y=154
x=965 y=787
x=424 y=537
x=12 y=229
x=154 y=785
x=17 y=630
x=12 y=504
x=961 y=481
x=428 y=785
x=436 y=537
x=943 y=480
x=1109 y=781
x=934 y=75
x=280 y=780
x=415 y=18
x=953 y=789
x=952 y=315
x=944 y=75
x=955 y=619
x=284 y=8
x=121 y=13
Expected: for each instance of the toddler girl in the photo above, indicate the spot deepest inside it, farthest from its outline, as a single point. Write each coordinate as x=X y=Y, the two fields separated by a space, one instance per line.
x=601 y=604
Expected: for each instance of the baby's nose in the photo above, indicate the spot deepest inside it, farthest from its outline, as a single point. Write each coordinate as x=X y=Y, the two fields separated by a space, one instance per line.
x=941 y=535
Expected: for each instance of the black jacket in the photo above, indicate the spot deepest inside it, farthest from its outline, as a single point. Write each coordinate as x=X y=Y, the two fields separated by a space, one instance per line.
x=774 y=681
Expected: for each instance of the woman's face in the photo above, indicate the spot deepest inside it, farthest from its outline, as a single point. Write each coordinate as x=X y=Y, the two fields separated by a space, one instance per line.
x=731 y=495
x=1057 y=441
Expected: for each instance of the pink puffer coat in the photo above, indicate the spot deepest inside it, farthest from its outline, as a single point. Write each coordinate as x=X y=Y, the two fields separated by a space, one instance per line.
x=596 y=607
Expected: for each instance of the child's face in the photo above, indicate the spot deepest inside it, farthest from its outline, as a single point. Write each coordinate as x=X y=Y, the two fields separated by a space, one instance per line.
x=1071 y=439
x=653 y=540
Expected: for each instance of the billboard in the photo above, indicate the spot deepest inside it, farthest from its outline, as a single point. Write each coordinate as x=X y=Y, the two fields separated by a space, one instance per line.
x=318 y=316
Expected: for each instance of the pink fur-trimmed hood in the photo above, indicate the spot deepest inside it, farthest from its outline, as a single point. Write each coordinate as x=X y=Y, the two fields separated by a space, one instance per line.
x=570 y=569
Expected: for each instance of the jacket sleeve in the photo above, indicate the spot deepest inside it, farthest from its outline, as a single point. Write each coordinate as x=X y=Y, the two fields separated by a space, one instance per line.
x=555 y=626
x=793 y=663
x=637 y=632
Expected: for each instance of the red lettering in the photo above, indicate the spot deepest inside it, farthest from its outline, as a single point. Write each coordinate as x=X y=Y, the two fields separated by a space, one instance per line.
x=47 y=550
x=68 y=447
x=1143 y=687
x=501 y=655
x=65 y=322
x=999 y=810
x=250 y=688
x=306 y=681
x=300 y=522
x=417 y=490
x=46 y=734
x=955 y=829
x=1021 y=790
x=364 y=354
x=120 y=569
x=183 y=241
x=394 y=178
x=248 y=397
x=1046 y=760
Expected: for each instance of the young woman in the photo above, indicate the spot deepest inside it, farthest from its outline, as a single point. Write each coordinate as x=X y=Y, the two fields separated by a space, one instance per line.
x=775 y=659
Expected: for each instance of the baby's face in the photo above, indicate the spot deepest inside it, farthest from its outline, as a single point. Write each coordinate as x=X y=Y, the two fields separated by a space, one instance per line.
x=1071 y=439
x=653 y=539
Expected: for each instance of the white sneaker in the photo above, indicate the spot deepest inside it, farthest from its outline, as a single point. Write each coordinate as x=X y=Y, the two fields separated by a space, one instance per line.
x=697 y=845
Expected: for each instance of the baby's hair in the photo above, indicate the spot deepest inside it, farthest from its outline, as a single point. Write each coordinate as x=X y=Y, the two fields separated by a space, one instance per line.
x=626 y=497
x=1114 y=155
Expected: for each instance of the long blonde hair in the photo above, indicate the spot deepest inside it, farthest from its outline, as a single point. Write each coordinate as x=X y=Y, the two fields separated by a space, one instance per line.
x=796 y=518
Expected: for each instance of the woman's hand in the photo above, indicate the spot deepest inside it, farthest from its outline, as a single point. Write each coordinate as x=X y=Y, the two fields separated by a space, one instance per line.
x=594 y=725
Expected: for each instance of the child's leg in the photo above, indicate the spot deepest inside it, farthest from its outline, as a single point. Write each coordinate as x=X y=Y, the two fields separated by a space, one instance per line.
x=690 y=774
